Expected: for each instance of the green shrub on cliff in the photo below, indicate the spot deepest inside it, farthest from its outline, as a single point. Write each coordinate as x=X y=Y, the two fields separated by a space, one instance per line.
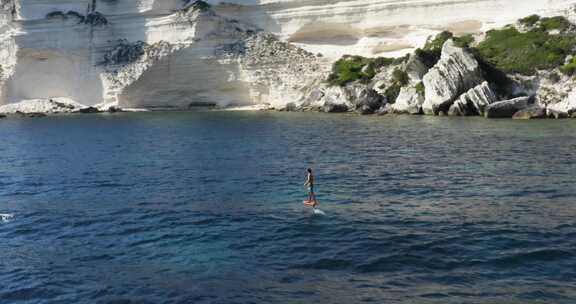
x=353 y=68
x=569 y=68
x=392 y=93
x=430 y=53
x=399 y=79
x=426 y=57
x=555 y=23
x=464 y=41
x=434 y=44
x=514 y=52
x=530 y=20
x=420 y=89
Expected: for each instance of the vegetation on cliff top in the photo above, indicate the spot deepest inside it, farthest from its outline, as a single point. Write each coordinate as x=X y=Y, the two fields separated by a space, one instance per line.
x=434 y=44
x=535 y=22
x=430 y=53
x=513 y=51
x=352 y=68
x=542 y=44
x=570 y=67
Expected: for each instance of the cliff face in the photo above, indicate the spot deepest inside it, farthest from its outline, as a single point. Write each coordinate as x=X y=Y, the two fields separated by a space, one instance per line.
x=181 y=53
x=152 y=54
x=379 y=27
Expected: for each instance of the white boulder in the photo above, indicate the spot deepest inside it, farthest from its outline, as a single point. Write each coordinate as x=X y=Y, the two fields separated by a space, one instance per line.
x=409 y=101
x=474 y=101
x=565 y=108
x=507 y=108
x=456 y=72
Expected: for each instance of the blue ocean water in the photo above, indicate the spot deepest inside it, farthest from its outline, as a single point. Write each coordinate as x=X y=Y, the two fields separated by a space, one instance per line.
x=205 y=207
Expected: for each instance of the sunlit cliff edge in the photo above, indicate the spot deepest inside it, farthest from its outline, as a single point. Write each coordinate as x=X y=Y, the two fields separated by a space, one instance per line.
x=175 y=54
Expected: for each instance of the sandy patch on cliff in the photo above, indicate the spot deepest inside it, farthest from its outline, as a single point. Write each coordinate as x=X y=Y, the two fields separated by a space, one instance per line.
x=387 y=31
x=326 y=33
x=465 y=27
x=391 y=47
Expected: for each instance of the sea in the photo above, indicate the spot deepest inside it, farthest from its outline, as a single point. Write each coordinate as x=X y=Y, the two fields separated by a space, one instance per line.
x=206 y=207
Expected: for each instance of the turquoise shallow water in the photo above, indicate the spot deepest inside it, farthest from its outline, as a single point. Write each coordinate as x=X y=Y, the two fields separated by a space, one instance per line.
x=206 y=208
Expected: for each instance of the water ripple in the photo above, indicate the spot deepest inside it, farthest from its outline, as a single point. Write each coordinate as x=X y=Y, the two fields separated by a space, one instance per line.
x=206 y=208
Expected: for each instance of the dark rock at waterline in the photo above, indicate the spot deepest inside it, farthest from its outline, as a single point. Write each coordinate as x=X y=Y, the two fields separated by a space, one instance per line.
x=114 y=109
x=2 y=116
x=507 y=108
x=200 y=104
x=334 y=108
x=365 y=110
x=290 y=107
x=368 y=101
x=31 y=115
x=88 y=110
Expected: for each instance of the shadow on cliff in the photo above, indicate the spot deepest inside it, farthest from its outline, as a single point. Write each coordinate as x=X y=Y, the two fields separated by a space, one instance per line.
x=185 y=79
x=250 y=12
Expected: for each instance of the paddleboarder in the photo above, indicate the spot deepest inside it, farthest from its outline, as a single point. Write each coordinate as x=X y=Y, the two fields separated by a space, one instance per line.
x=310 y=184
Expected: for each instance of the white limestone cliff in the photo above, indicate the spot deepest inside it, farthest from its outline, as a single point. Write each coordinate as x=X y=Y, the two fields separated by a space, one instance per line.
x=171 y=54
x=379 y=27
x=148 y=54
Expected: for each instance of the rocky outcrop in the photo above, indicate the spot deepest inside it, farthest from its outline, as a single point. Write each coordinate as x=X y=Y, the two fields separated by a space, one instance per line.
x=365 y=100
x=473 y=102
x=416 y=69
x=335 y=99
x=409 y=101
x=330 y=100
x=555 y=93
x=455 y=73
x=52 y=105
x=507 y=108
x=533 y=112
x=158 y=54
x=563 y=109
x=276 y=72
x=57 y=105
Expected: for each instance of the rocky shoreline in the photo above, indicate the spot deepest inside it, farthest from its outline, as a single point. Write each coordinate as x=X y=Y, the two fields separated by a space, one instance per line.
x=523 y=71
x=458 y=76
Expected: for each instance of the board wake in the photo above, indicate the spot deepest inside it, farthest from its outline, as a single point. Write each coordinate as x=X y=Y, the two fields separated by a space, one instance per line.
x=319 y=212
x=6 y=217
x=310 y=203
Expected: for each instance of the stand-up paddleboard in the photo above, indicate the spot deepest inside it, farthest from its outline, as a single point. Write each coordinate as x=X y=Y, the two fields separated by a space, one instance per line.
x=309 y=203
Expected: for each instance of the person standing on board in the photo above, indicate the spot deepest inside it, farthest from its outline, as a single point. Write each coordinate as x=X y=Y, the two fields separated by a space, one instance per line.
x=310 y=184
